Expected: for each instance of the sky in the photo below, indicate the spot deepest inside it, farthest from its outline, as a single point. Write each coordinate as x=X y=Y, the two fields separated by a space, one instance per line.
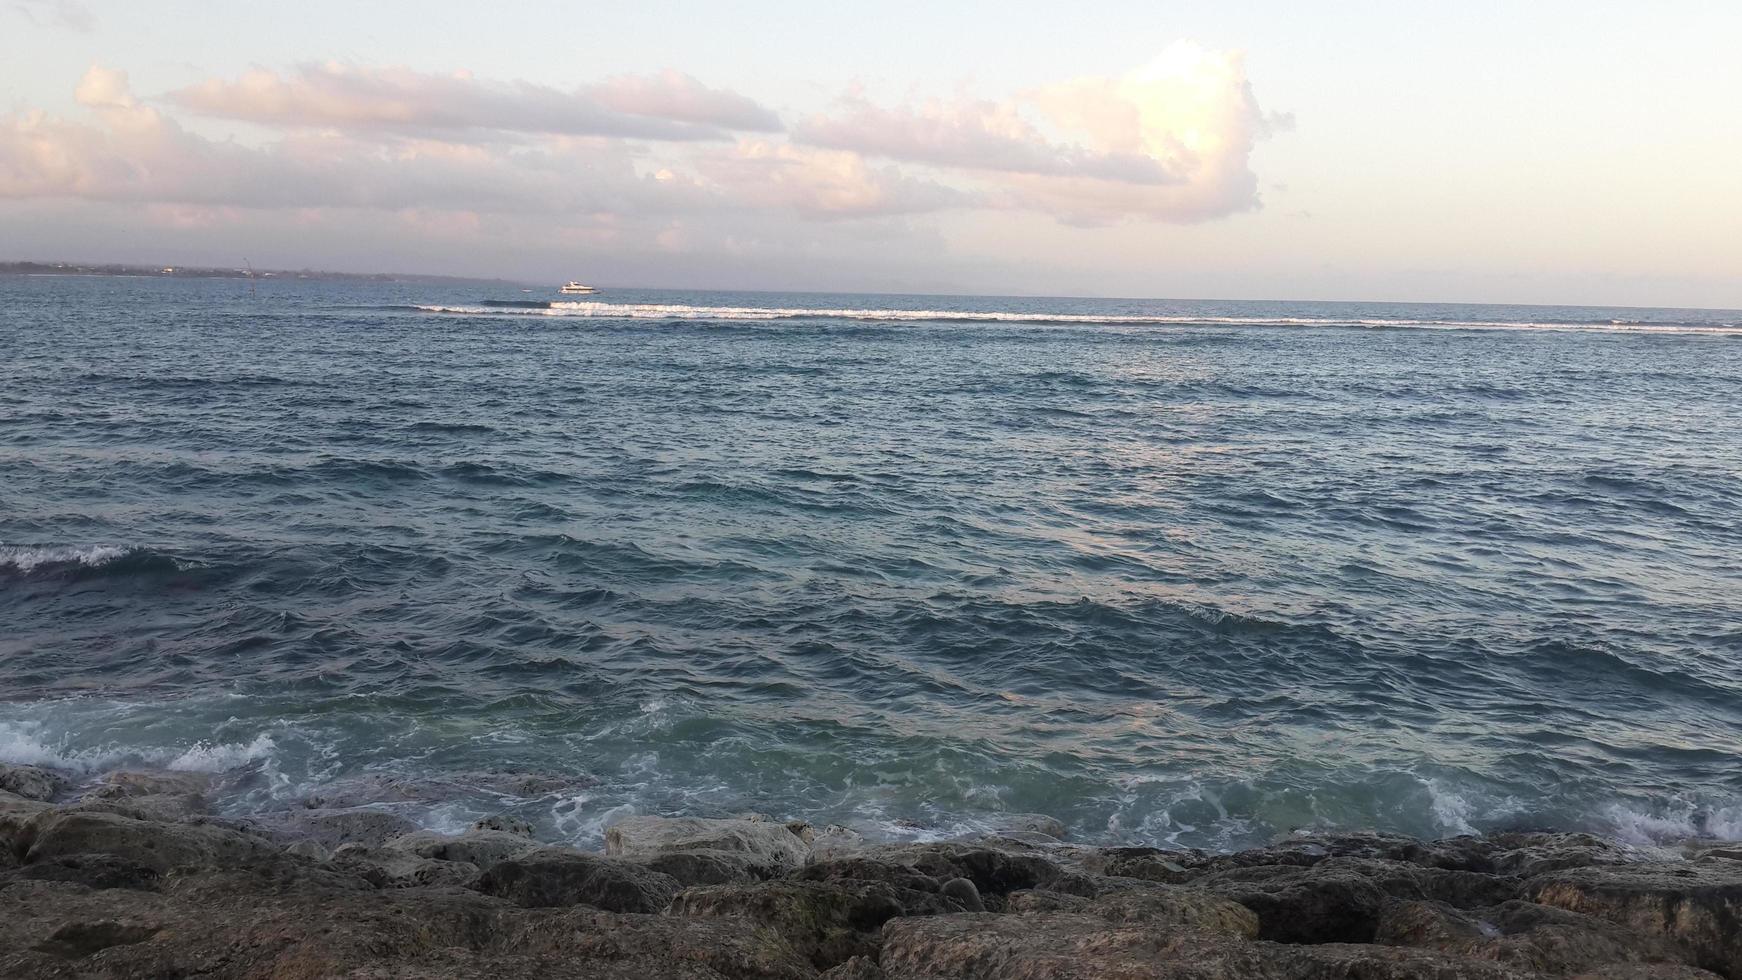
x=1550 y=152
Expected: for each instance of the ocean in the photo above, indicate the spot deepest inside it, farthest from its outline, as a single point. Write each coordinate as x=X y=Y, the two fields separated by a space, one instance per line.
x=1175 y=572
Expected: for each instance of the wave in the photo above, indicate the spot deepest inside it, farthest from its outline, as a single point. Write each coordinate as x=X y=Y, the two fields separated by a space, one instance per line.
x=25 y=559
x=678 y=311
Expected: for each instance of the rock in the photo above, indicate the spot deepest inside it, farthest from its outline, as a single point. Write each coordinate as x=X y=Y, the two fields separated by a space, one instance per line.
x=1304 y=904
x=963 y=893
x=483 y=848
x=835 y=841
x=313 y=850
x=93 y=871
x=707 y=867
x=503 y=823
x=1011 y=824
x=1071 y=946
x=1430 y=925
x=163 y=796
x=1647 y=971
x=1186 y=909
x=387 y=867
x=158 y=846
x=560 y=876
x=18 y=819
x=32 y=782
x=1527 y=855
x=80 y=939
x=334 y=828
x=1696 y=905
x=994 y=871
x=830 y=922
x=768 y=842
x=856 y=968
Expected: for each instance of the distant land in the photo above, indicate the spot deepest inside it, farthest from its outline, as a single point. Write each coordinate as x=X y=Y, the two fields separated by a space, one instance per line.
x=204 y=272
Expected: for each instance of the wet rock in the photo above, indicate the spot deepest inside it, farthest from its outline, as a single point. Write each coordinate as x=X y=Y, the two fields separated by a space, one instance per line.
x=32 y=782
x=158 y=846
x=558 y=877
x=503 y=823
x=1696 y=905
x=1527 y=855
x=835 y=841
x=335 y=828
x=766 y=841
x=483 y=848
x=1011 y=824
x=386 y=867
x=1304 y=904
x=163 y=796
x=80 y=939
x=1462 y=889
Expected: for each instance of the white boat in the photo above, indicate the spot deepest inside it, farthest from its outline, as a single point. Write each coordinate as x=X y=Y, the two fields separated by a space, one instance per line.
x=574 y=287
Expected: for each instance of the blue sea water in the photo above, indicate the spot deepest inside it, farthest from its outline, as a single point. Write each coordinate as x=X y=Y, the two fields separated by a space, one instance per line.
x=1196 y=573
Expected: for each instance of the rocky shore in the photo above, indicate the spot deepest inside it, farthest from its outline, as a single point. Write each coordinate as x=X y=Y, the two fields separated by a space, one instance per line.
x=132 y=876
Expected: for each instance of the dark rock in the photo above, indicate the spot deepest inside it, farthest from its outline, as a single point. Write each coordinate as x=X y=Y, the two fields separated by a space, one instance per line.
x=856 y=968
x=158 y=846
x=707 y=867
x=963 y=893
x=93 y=871
x=386 y=867
x=503 y=823
x=993 y=871
x=830 y=922
x=484 y=848
x=32 y=782
x=559 y=876
x=79 y=939
x=1304 y=904
x=1070 y=946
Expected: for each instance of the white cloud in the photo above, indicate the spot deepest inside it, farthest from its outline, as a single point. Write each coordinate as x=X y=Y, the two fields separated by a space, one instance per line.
x=665 y=106
x=1170 y=141
x=819 y=183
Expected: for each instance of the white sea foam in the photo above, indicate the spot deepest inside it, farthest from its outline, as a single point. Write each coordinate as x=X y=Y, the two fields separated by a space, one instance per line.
x=26 y=558
x=222 y=756
x=678 y=311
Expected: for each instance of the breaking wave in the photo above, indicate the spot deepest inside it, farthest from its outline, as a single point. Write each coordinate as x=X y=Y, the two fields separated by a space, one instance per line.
x=679 y=311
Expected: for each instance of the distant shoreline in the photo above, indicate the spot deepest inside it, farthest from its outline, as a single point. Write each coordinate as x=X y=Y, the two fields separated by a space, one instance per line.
x=115 y=270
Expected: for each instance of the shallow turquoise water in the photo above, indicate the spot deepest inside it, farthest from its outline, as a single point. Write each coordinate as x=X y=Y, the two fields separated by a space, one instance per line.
x=1197 y=573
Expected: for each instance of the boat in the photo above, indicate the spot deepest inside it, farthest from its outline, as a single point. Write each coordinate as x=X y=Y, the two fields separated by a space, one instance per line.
x=574 y=287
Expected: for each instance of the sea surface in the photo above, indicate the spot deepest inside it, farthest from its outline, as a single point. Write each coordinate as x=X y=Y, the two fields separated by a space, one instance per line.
x=1190 y=573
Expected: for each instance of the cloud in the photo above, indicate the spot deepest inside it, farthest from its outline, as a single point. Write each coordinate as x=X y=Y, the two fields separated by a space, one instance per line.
x=820 y=183
x=69 y=14
x=136 y=154
x=1171 y=141
x=665 y=106
x=976 y=135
